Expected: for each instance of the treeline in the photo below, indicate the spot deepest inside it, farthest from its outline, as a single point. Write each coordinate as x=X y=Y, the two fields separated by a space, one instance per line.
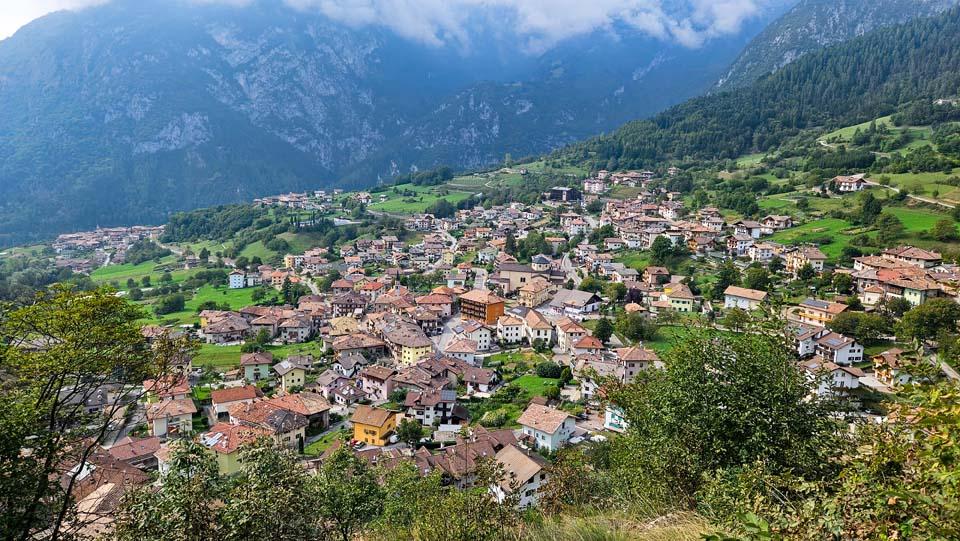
x=854 y=82
x=145 y=250
x=213 y=223
x=433 y=177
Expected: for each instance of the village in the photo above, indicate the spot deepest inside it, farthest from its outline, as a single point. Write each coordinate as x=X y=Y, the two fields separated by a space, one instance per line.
x=498 y=330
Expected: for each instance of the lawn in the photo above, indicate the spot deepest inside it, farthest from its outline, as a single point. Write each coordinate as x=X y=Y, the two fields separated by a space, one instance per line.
x=227 y=357
x=400 y=204
x=916 y=220
x=235 y=298
x=926 y=183
x=633 y=259
x=535 y=385
x=318 y=447
x=121 y=273
x=844 y=134
x=257 y=249
x=750 y=159
x=840 y=231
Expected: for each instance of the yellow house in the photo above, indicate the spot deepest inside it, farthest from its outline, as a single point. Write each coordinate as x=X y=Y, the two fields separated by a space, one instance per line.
x=447 y=257
x=290 y=374
x=680 y=297
x=535 y=292
x=373 y=426
x=225 y=440
x=408 y=343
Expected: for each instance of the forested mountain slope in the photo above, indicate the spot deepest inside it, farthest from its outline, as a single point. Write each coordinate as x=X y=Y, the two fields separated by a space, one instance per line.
x=814 y=24
x=854 y=82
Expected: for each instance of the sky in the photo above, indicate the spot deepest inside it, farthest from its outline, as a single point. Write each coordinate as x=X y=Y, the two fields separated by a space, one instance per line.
x=540 y=23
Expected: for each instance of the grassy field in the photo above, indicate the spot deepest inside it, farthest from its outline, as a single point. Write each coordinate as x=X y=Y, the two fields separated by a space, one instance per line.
x=412 y=204
x=234 y=298
x=535 y=385
x=750 y=159
x=916 y=220
x=926 y=183
x=121 y=273
x=633 y=259
x=840 y=231
x=844 y=134
x=318 y=447
x=226 y=357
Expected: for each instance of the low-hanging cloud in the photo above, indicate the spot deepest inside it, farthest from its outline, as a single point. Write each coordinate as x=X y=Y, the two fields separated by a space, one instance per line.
x=542 y=23
x=539 y=24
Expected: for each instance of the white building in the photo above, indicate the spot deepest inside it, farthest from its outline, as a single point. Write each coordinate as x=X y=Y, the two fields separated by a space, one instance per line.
x=545 y=427
x=510 y=329
x=743 y=298
x=839 y=349
x=524 y=472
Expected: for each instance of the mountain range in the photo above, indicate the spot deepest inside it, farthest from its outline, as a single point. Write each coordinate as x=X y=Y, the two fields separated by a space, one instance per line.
x=127 y=112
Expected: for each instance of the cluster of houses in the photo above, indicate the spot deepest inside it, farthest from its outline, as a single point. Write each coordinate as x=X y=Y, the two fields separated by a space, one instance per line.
x=392 y=355
x=83 y=251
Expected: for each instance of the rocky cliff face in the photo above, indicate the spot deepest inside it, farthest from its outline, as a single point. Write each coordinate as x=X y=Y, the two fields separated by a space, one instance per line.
x=815 y=24
x=132 y=110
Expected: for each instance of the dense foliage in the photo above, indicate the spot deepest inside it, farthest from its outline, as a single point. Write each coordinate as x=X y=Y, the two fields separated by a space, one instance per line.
x=850 y=83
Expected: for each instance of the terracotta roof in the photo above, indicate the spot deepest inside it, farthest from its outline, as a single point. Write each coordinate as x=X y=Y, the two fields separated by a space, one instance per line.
x=463 y=345
x=226 y=438
x=637 y=354
x=171 y=408
x=303 y=403
x=377 y=372
x=589 y=342
x=370 y=416
x=233 y=394
x=129 y=448
x=481 y=296
x=543 y=418
x=745 y=293
x=258 y=358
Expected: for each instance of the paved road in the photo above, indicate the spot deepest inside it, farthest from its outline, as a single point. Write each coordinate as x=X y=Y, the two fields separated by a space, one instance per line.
x=567 y=266
x=480 y=282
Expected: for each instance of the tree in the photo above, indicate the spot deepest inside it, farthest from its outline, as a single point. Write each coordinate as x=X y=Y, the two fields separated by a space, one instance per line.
x=410 y=431
x=945 y=230
x=549 y=369
x=603 y=330
x=636 y=327
x=87 y=339
x=135 y=294
x=736 y=319
x=806 y=272
x=889 y=228
x=184 y=508
x=723 y=401
x=864 y=328
x=616 y=291
x=510 y=245
x=727 y=276
x=347 y=494
x=204 y=254
x=661 y=250
x=894 y=307
x=842 y=283
x=591 y=284
x=169 y=304
x=756 y=278
x=929 y=319
x=870 y=208
x=145 y=281
x=270 y=498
